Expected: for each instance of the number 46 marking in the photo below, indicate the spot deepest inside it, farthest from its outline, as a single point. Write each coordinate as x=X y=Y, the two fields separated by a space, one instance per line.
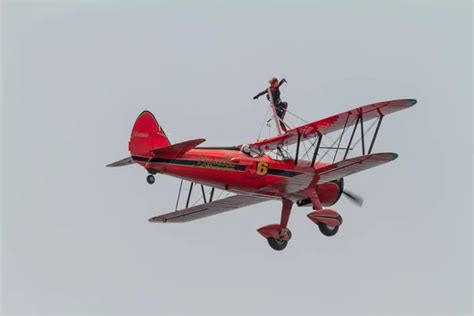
x=262 y=168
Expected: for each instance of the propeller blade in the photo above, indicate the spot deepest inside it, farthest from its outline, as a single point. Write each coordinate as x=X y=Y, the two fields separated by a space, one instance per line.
x=357 y=199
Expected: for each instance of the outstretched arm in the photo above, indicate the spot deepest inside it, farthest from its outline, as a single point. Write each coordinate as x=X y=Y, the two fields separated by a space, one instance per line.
x=281 y=82
x=260 y=94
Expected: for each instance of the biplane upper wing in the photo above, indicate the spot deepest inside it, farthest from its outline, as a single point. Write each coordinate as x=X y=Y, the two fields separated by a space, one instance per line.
x=208 y=209
x=298 y=184
x=333 y=123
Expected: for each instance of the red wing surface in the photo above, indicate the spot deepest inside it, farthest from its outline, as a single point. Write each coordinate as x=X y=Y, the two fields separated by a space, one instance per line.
x=290 y=186
x=333 y=123
x=295 y=186
x=208 y=209
x=350 y=166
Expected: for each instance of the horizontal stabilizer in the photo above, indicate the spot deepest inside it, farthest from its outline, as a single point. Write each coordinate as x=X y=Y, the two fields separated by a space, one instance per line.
x=175 y=150
x=124 y=162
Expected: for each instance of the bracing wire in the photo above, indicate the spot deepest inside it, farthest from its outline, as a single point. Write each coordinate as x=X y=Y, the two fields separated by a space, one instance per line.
x=291 y=113
x=176 y=137
x=305 y=121
x=365 y=133
x=327 y=151
x=330 y=138
x=325 y=141
x=263 y=123
x=207 y=191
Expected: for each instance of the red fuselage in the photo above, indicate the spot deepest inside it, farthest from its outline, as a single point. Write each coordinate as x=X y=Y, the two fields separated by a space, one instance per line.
x=235 y=171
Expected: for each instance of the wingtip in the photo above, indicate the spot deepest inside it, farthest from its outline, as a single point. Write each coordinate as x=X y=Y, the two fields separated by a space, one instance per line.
x=157 y=219
x=412 y=102
x=382 y=155
x=393 y=156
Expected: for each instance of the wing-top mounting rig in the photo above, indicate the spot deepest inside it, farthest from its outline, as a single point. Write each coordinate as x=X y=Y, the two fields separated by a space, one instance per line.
x=229 y=178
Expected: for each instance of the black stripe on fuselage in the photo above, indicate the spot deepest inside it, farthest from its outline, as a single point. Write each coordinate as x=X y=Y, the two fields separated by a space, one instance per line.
x=237 y=167
x=234 y=148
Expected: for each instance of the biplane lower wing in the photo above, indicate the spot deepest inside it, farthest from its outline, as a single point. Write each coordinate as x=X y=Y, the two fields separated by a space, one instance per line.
x=296 y=186
x=333 y=123
x=347 y=167
x=208 y=209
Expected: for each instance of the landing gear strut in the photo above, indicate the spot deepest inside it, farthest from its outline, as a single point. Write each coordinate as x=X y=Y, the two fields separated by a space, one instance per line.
x=150 y=179
x=327 y=220
x=278 y=235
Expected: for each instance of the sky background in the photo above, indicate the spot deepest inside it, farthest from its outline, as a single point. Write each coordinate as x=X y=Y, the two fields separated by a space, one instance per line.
x=74 y=235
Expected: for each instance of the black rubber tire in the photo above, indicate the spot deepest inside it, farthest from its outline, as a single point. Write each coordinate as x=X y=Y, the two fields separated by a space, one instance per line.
x=277 y=244
x=150 y=179
x=328 y=231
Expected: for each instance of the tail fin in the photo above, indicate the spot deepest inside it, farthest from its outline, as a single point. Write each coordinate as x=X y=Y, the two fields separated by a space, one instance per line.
x=147 y=135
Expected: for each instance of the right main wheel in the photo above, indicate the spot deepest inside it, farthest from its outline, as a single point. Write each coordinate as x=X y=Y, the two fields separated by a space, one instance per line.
x=327 y=230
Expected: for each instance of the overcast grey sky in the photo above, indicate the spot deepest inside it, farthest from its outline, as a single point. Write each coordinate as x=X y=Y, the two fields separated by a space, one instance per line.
x=75 y=237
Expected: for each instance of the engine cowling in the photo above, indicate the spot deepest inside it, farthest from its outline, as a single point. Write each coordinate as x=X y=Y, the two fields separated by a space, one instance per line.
x=329 y=193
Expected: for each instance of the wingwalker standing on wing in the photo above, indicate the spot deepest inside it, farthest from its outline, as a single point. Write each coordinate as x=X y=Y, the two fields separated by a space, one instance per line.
x=273 y=95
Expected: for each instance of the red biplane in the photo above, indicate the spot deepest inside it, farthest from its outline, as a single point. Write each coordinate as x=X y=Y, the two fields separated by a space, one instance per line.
x=265 y=170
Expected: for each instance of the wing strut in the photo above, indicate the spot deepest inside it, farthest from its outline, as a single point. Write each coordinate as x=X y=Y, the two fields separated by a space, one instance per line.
x=340 y=139
x=297 y=148
x=212 y=195
x=375 y=134
x=316 y=149
x=352 y=136
x=362 y=134
x=189 y=194
x=179 y=194
x=203 y=194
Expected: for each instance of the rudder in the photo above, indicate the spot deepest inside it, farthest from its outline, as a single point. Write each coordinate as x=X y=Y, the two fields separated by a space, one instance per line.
x=146 y=136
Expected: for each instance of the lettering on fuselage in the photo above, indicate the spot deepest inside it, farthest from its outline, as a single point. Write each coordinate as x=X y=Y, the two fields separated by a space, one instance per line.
x=138 y=134
x=220 y=164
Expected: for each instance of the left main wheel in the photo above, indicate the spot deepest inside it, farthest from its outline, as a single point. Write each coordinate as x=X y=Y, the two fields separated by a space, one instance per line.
x=277 y=244
x=150 y=179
